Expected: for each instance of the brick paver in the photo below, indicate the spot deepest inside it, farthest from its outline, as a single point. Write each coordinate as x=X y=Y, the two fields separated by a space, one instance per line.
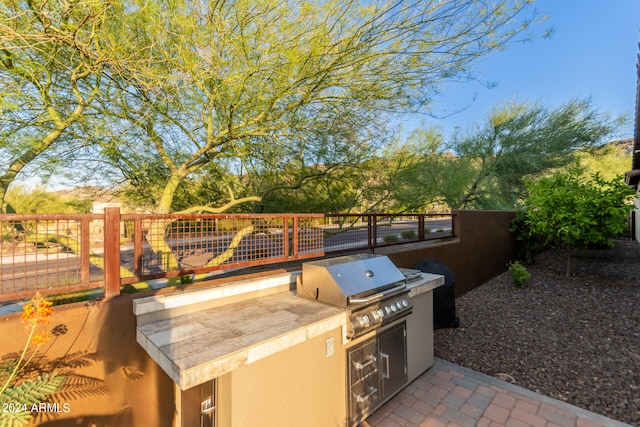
x=449 y=395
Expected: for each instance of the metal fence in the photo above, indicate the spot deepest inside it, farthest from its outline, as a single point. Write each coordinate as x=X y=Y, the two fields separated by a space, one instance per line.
x=57 y=254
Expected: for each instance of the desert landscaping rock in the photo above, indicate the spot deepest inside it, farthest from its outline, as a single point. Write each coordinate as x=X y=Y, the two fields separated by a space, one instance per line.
x=576 y=339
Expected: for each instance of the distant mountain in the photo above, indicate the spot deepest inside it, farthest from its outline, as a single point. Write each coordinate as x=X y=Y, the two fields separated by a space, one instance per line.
x=623 y=144
x=89 y=192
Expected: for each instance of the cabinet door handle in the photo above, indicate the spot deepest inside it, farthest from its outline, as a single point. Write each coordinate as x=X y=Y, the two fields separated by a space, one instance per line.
x=359 y=365
x=387 y=371
x=362 y=399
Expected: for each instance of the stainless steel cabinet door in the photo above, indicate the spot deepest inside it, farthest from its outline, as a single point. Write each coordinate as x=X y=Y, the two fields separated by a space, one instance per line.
x=364 y=380
x=392 y=360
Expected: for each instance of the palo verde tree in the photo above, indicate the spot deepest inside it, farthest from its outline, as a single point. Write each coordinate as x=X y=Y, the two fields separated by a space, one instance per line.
x=50 y=72
x=304 y=82
x=405 y=174
x=519 y=141
x=572 y=212
x=307 y=83
x=188 y=84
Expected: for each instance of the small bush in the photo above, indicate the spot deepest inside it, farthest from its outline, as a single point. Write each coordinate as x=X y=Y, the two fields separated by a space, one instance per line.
x=390 y=238
x=519 y=273
x=408 y=235
x=530 y=244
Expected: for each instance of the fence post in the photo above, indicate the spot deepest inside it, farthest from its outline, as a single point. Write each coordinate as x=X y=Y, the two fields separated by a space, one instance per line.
x=85 y=249
x=111 y=252
x=294 y=236
x=372 y=226
x=137 y=246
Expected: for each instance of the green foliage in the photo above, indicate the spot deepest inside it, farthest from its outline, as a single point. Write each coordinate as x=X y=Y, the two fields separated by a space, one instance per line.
x=390 y=238
x=26 y=394
x=408 y=174
x=519 y=141
x=186 y=279
x=571 y=212
x=408 y=234
x=609 y=160
x=263 y=90
x=39 y=200
x=228 y=102
x=342 y=189
x=519 y=273
x=47 y=83
x=530 y=244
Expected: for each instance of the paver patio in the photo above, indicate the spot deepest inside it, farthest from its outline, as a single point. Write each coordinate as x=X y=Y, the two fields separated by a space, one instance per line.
x=449 y=395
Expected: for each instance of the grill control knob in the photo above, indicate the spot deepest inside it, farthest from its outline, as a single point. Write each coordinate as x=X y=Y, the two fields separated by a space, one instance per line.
x=399 y=305
x=380 y=313
x=365 y=319
x=405 y=303
x=394 y=308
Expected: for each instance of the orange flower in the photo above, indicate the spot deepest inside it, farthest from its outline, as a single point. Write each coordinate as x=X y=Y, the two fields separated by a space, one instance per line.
x=37 y=312
x=41 y=338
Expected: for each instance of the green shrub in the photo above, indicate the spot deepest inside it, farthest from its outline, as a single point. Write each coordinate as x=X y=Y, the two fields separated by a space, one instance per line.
x=390 y=238
x=529 y=244
x=408 y=235
x=573 y=212
x=186 y=279
x=519 y=273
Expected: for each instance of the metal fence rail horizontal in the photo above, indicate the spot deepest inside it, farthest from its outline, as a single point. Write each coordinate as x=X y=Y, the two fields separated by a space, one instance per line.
x=57 y=254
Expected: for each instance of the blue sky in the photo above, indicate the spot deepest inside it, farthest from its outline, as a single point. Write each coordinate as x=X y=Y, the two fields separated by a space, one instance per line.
x=592 y=53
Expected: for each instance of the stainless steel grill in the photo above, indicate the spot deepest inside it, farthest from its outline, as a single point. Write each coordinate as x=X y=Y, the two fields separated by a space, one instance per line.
x=375 y=295
x=370 y=287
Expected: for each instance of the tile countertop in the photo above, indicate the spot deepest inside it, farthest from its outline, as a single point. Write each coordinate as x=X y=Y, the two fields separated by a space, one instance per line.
x=428 y=283
x=198 y=344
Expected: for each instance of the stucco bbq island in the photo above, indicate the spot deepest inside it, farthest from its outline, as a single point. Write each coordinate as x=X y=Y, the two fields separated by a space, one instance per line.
x=255 y=353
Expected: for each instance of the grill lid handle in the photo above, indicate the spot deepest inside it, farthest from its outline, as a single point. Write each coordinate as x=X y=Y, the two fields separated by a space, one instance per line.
x=380 y=295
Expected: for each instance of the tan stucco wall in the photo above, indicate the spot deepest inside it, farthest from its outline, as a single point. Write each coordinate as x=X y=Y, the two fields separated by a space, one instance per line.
x=296 y=387
x=111 y=380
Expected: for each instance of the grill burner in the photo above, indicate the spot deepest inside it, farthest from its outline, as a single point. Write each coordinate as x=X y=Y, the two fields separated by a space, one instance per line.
x=370 y=287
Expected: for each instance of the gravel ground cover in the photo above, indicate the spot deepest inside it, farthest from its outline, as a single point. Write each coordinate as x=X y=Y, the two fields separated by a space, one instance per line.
x=576 y=339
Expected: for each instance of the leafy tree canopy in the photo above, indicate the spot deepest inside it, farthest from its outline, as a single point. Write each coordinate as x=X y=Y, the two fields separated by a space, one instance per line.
x=22 y=199
x=521 y=140
x=50 y=71
x=573 y=213
x=246 y=85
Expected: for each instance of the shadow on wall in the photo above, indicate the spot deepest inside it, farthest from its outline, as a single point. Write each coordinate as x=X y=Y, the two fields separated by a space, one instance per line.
x=124 y=418
x=130 y=374
x=110 y=380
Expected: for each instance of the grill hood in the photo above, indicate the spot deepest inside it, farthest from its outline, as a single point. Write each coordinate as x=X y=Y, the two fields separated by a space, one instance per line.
x=339 y=281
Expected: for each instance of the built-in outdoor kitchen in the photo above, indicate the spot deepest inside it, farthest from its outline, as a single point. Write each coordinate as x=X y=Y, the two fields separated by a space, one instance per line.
x=323 y=346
